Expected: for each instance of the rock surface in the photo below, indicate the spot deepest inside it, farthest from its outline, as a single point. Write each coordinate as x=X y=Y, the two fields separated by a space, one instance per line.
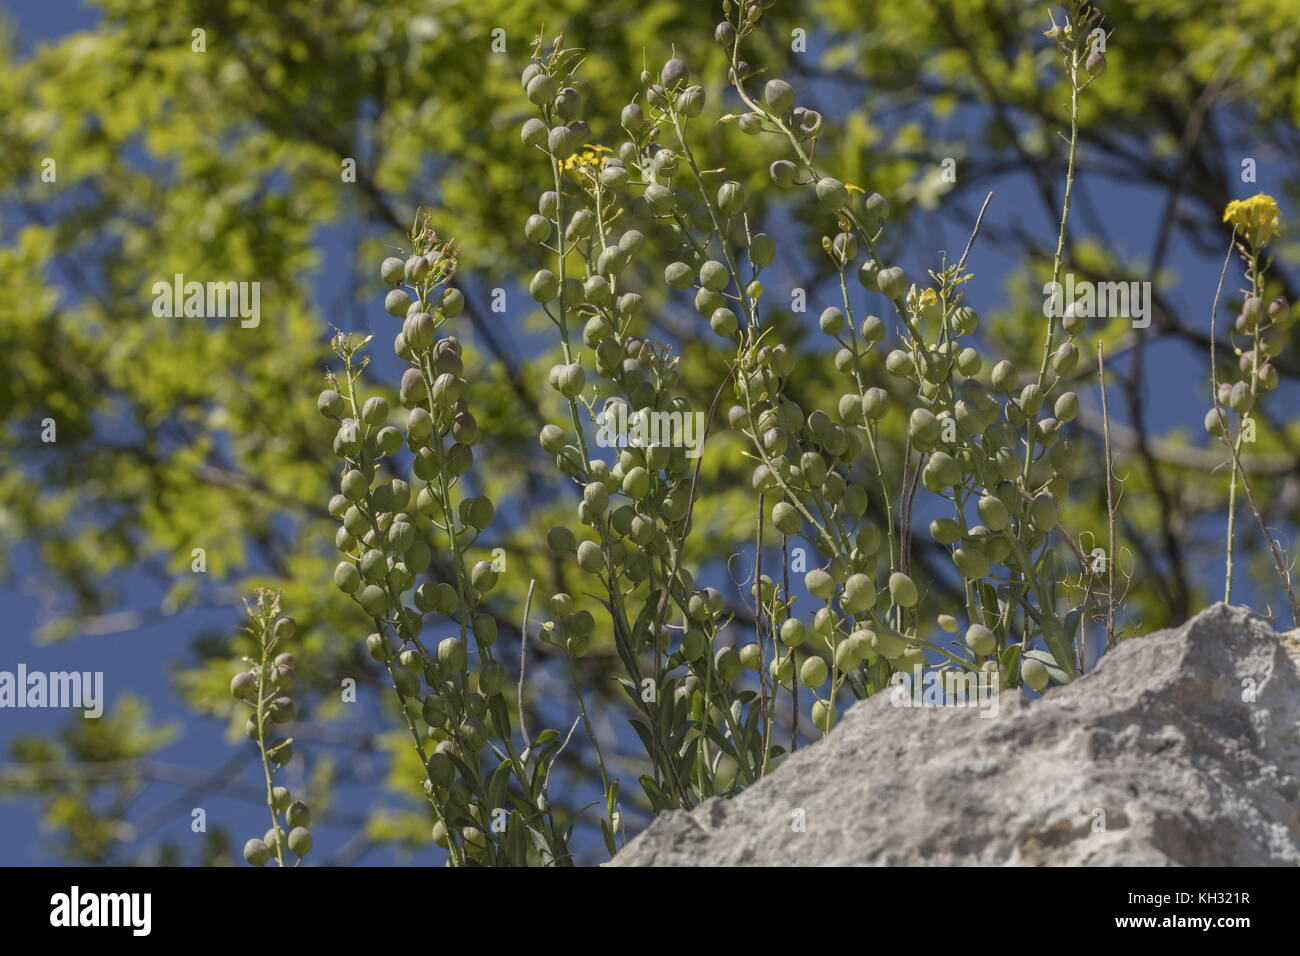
x=1153 y=759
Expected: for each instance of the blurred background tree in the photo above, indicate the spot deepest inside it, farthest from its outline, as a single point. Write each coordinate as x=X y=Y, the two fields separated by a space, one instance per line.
x=293 y=150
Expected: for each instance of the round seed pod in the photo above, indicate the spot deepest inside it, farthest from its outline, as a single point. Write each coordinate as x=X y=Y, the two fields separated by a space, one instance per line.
x=412 y=390
x=1034 y=674
x=981 y=640
x=1096 y=63
x=551 y=439
x=714 y=276
x=374 y=599
x=783 y=173
x=731 y=198
x=892 y=282
x=1074 y=319
x=813 y=673
x=723 y=322
x=300 y=841
x=823 y=715
x=751 y=657
x=243 y=685
x=793 y=632
x=727 y=663
x=971 y=563
x=779 y=96
x=945 y=531
x=396 y=302
x=540 y=89
x=902 y=590
x=1065 y=358
x=1213 y=423
x=924 y=428
x=820 y=584
x=483 y=576
x=832 y=193
x=330 y=403
x=875 y=210
x=533 y=132
x=945 y=469
x=632 y=118
x=392 y=270
x=849 y=654
x=346 y=577
x=544 y=286
x=786 y=518
x=590 y=558
x=869 y=275
x=256 y=852
x=1042 y=511
x=832 y=321
x=673 y=73
x=1066 y=407
x=280 y=753
x=885 y=642
x=993 y=513
x=859 y=594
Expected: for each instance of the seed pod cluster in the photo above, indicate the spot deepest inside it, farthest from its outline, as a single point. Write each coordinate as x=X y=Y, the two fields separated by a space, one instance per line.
x=264 y=687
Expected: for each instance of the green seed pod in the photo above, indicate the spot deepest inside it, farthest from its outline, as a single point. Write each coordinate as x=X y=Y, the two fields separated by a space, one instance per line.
x=1214 y=423
x=1074 y=319
x=924 y=428
x=969 y=362
x=533 y=133
x=1004 y=377
x=1067 y=407
x=346 y=577
x=451 y=654
x=832 y=194
x=886 y=642
x=540 y=89
x=819 y=584
x=786 y=518
x=392 y=270
x=636 y=483
x=832 y=321
x=779 y=96
x=1034 y=674
x=551 y=439
x=1031 y=399
x=823 y=715
x=727 y=663
x=869 y=275
x=280 y=752
x=971 y=563
x=300 y=841
x=243 y=686
x=751 y=657
x=731 y=198
x=374 y=599
x=793 y=632
x=892 y=282
x=723 y=322
x=849 y=654
x=910 y=660
x=396 y=303
x=859 y=594
x=876 y=210
x=783 y=173
x=993 y=513
x=902 y=590
x=1065 y=358
x=412 y=390
x=256 y=852
x=1042 y=511
x=355 y=485
x=544 y=286
x=330 y=403
x=492 y=678
x=1095 y=64
x=945 y=469
x=590 y=558
x=981 y=640
x=714 y=276
x=813 y=673
x=946 y=531
x=483 y=576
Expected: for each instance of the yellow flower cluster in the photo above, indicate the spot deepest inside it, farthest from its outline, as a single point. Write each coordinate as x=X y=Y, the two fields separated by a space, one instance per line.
x=585 y=165
x=1257 y=218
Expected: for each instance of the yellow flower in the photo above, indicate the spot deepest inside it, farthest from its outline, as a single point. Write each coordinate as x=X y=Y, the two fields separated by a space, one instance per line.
x=1256 y=218
x=585 y=165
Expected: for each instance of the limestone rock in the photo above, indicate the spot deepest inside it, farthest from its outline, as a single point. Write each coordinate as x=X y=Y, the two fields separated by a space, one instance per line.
x=1181 y=748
